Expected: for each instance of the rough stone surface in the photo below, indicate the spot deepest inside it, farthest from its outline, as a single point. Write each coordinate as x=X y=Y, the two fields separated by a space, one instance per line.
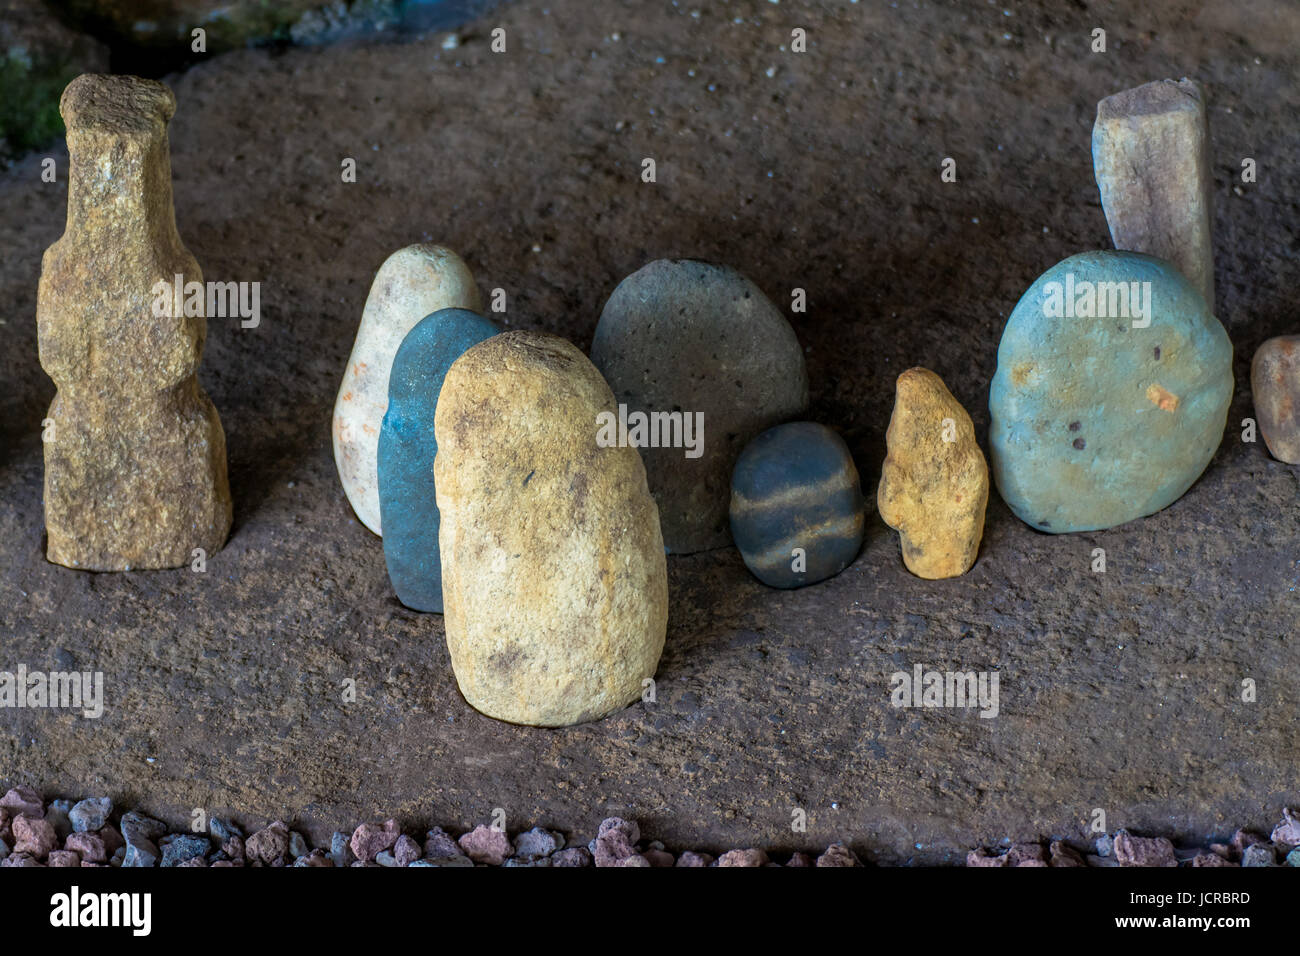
x=138 y=826
x=88 y=846
x=1259 y=854
x=1143 y=851
x=406 y=850
x=1287 y=833
x=688 y=336
x=554 y=580
x=22 y=801
x=440 y=845
x=407 y=449
x=1210 y=859
x=797 y=512
x=572 y=856
x=1027 y=854
x=34 y=835
x=135 y=456
x=1096 y=422
x=269 y=845
x=537 y=842
x=751 y=857
x=1275 y=387
x=90 y=814
x=369 y=840
x=412 y=283
x=340 y=850
x=615 y=842
x=1151 y=156
x=184 y=848
x=140 y=852
x=837 y=854
x=896 y=274
x=484 y=844
x=934 y=484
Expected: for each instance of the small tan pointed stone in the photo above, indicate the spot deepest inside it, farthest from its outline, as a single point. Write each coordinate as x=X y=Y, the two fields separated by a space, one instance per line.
x=934 y=486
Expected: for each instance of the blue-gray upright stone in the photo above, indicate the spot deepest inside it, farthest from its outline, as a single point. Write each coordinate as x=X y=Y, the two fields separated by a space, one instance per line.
x=407 y=507
x=797 y=511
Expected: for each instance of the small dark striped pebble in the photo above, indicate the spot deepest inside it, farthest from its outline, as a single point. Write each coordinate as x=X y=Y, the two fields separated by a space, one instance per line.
x=795 y=487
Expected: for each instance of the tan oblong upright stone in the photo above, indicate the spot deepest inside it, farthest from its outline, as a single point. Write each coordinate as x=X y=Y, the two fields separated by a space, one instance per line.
x=1151 y=156
x=412 y=283
x=135 y=457
x=934 y=486
x=555 y=587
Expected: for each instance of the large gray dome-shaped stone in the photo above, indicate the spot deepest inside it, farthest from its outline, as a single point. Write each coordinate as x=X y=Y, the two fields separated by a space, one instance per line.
x=700 y=340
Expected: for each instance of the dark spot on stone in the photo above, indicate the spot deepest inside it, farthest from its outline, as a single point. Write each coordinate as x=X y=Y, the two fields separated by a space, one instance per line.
x=578 y=491
x=530 y=477
x=1044 y=524
x=1079 y=443
x=1075 y=426
x=506 y=660
x=1156 y=353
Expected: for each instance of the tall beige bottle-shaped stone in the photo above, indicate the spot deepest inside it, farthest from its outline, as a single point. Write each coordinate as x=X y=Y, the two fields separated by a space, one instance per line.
x=135 y=457
x=554 y=582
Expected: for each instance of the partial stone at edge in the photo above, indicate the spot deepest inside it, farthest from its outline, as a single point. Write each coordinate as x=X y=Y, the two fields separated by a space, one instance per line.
x=1150 y=153
x=554 y=580
x=135 y=456
x=413 y=282
x=1275 y=387
x=934 y=486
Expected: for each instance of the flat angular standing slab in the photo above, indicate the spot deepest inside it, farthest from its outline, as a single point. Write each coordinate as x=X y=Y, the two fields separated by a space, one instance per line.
x=1151 y=155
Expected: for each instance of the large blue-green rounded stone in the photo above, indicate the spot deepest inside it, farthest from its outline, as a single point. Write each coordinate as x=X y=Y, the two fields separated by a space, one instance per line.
x=408 y=510
x=1106 y=410
x=797 y=511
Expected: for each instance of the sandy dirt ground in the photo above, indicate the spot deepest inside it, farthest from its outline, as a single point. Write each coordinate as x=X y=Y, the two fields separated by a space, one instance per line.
x=1119 y=691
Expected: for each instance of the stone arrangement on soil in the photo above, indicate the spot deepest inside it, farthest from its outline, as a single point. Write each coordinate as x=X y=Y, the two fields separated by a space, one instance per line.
x=477 y=456
x=413 y=282
x=408 y=448
x=135 y=456
x=797 y=512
